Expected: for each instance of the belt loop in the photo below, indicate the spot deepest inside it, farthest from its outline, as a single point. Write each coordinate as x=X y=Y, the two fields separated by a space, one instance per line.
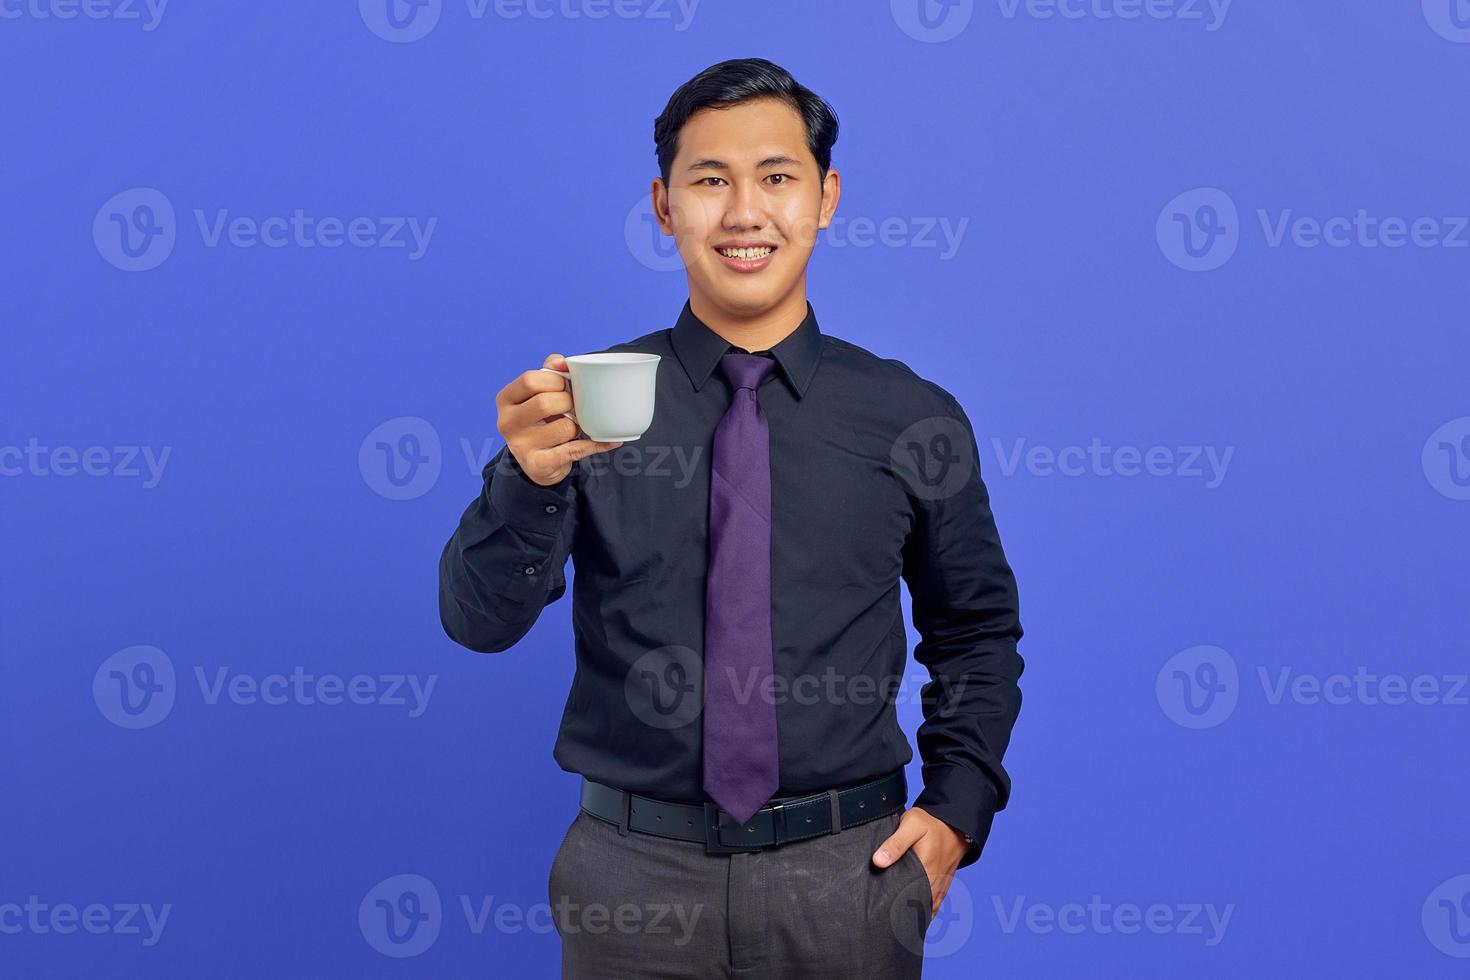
x=836 y=811
x=625 y=812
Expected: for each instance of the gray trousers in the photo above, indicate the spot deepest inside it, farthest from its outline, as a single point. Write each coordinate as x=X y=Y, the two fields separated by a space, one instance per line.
x=639 y=907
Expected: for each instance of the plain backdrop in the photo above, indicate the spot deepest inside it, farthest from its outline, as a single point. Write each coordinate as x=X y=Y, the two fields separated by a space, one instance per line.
x=1183 y=747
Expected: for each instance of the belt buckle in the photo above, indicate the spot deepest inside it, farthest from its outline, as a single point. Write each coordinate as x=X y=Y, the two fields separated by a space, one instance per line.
x=714 y=840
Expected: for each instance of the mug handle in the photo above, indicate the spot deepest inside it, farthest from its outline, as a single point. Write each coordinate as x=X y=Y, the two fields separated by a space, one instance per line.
x=566 y=376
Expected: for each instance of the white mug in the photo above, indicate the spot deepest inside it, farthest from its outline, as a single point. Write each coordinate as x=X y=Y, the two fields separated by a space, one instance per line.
x=612 y=394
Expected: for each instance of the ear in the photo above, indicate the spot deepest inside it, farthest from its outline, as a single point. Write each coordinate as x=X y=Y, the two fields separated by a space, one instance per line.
x=831 y=191
x=658 y=194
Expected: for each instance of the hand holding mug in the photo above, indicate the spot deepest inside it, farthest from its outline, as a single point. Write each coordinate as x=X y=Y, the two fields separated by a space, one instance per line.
x=531 y=415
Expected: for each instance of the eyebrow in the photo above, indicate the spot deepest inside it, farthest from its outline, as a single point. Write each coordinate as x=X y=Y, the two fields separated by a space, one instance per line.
x=775 y=161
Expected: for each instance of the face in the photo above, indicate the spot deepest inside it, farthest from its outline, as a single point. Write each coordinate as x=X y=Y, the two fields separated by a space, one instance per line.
x=744 y=203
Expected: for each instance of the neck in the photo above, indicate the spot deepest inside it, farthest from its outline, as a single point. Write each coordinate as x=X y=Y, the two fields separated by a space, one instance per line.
x=753 y=331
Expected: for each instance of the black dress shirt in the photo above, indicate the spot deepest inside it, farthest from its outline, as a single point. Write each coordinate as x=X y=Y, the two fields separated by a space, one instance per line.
x=874 y=476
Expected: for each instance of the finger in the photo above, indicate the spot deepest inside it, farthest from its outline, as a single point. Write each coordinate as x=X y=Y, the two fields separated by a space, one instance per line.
x=529 y=383
x=899 y=841
x=540 y=406
x=546 y=435
x=568 y=453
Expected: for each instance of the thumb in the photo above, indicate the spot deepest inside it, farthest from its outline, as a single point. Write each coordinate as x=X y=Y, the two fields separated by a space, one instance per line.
x=899 y=841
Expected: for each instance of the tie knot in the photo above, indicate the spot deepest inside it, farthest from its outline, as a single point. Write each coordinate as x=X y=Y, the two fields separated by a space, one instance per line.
x=746 y=370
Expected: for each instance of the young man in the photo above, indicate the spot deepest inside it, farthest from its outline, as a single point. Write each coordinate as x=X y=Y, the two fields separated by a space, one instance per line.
x=739 y=638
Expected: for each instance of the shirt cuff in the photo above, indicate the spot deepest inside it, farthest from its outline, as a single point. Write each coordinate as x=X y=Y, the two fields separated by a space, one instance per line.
x=962 y=798
x=522 y=502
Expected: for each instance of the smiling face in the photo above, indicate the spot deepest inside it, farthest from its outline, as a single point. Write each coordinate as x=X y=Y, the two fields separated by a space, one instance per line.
x=744 y=203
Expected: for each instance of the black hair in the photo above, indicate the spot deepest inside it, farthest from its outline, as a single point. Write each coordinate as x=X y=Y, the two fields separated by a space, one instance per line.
x=743 y=80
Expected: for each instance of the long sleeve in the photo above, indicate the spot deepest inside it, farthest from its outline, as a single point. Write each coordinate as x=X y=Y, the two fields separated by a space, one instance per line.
x=506 y=561
x=966 y=609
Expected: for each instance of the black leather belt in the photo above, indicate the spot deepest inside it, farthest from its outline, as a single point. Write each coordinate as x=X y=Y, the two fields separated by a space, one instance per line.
x=783 y=820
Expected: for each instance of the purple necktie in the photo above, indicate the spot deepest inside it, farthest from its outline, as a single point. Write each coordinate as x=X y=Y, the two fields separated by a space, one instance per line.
x=740 y=756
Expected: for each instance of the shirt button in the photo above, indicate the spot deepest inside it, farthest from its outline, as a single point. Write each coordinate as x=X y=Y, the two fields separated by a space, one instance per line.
x=551 y=508
x=530 y=569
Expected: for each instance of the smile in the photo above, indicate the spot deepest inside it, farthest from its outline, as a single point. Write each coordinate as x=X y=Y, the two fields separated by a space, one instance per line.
x=746 y=258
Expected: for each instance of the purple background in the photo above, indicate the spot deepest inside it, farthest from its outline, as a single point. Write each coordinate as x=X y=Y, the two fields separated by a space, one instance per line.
x=1335 y=539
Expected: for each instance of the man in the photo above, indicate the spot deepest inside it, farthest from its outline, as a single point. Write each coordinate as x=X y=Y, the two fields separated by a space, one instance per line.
x=739 y=636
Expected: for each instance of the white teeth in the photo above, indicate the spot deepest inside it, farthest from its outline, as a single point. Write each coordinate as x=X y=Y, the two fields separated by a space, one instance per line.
x=745 y=253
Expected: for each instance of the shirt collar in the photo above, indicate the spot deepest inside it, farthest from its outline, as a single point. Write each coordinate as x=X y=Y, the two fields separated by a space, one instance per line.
x=699 y=349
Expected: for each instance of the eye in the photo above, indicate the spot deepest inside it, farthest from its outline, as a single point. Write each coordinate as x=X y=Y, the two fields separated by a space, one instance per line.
x=779 y=178
x=703 y=179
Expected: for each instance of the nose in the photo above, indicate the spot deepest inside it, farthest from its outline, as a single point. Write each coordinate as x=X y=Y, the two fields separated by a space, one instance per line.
x=747 y=208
